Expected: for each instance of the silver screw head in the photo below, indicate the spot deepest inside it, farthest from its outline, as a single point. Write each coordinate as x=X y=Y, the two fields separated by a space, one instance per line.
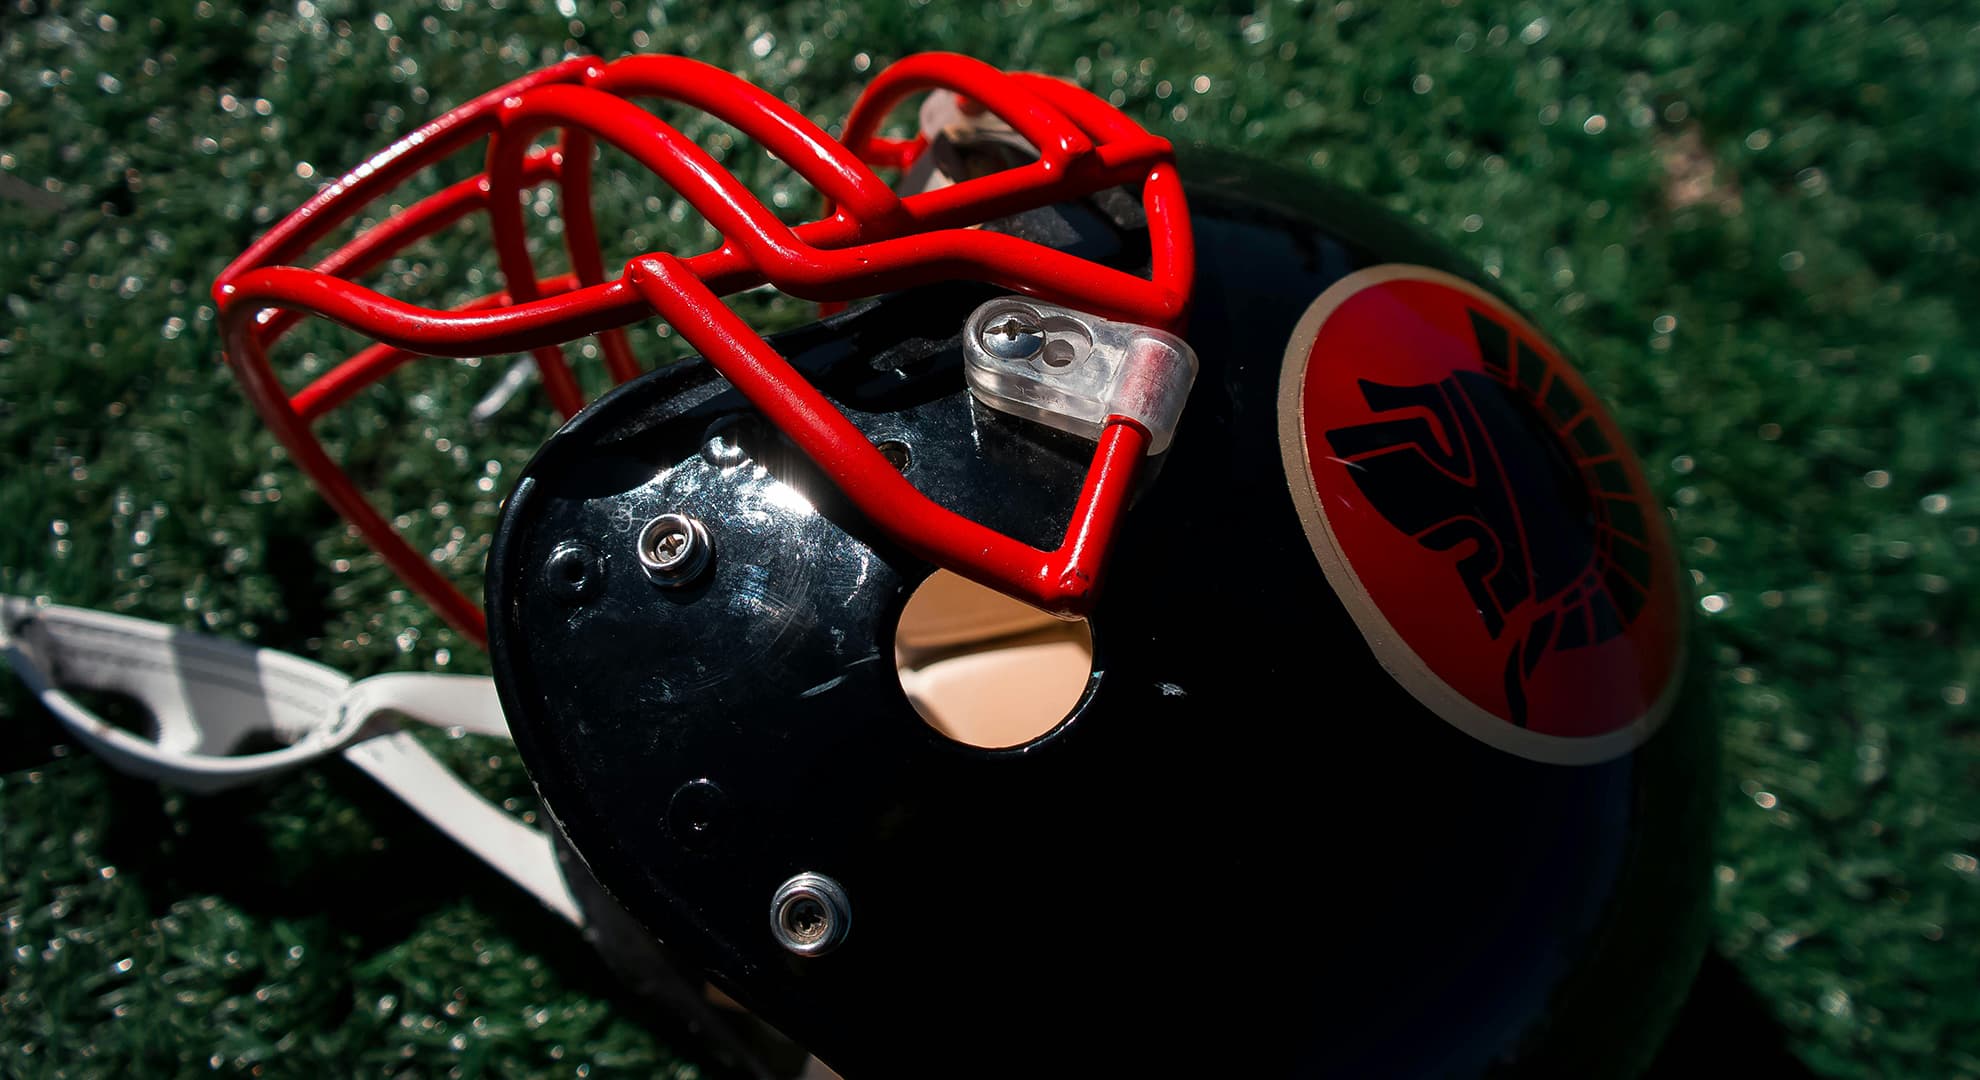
x=810 y=915
x=673 y=549
x=1011 y=336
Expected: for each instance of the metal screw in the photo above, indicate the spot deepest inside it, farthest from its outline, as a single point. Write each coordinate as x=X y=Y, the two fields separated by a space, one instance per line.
x=1012 y=336
x=810 y=915
x=896 y=452
x=673 y=549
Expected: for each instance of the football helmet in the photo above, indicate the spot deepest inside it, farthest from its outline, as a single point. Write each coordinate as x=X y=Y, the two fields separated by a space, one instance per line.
x=1163 y=613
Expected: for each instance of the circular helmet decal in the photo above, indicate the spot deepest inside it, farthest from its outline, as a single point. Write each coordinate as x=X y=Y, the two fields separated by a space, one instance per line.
x=1479 y=514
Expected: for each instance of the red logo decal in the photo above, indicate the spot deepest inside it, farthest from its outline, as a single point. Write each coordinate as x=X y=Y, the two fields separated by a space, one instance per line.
x=1481 y=516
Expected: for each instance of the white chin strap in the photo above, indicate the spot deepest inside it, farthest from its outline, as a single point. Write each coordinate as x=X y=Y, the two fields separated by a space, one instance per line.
x=209 y=697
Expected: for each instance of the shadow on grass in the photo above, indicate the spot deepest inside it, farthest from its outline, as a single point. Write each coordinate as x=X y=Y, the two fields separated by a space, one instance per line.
x=370 y=888
x=1725 y=1029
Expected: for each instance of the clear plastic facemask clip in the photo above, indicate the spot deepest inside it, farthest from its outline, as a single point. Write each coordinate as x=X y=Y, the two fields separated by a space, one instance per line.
x=1077 y=372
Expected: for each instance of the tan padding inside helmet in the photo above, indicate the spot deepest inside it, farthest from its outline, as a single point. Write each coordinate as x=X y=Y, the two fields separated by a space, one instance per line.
x=986 y=670
x=949 y=611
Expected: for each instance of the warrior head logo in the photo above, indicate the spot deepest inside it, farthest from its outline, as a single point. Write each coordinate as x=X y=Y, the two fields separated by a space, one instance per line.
x=1473 y=466
x=1478 y=514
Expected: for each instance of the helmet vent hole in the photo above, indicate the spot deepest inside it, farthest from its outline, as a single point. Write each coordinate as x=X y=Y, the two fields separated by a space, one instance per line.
x=986 y=670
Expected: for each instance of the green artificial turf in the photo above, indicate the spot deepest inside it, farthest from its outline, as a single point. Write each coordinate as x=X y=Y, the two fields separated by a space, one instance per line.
x=1754 y=225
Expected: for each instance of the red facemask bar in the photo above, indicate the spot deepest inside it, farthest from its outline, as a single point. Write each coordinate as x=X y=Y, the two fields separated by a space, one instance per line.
x=871 y=241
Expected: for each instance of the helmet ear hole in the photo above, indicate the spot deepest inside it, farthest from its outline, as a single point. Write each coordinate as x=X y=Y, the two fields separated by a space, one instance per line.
x=986 y=670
